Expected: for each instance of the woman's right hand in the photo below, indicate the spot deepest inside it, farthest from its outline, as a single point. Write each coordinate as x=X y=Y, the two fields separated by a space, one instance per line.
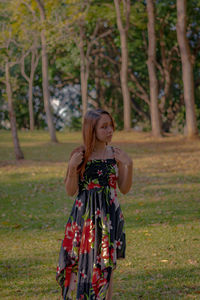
x=76 y=159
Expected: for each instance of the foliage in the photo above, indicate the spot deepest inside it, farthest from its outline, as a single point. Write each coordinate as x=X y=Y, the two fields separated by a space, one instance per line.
x=62 y=34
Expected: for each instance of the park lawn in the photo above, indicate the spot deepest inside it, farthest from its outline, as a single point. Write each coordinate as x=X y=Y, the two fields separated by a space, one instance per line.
x=161 y=212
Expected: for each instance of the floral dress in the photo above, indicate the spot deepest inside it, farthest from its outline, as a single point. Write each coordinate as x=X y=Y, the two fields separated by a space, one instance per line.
x=94 y=235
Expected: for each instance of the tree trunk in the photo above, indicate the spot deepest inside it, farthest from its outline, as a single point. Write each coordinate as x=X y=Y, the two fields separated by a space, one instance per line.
x=97 y=80
x=30 y=100
x=153 y=82
x=124 y=82
x=18 y=152
x=124 y=64
x=45 y=81
x=34 y=63
x=84 y=73
x=187 y=70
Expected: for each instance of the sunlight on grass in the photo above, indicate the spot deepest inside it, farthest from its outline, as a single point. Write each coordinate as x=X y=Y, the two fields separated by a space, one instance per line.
x=161 y=212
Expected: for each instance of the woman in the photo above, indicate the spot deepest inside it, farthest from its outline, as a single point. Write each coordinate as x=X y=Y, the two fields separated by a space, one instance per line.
x=94 y=235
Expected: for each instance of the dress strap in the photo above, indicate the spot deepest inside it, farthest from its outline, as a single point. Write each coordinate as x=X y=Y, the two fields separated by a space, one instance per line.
x=113 y=151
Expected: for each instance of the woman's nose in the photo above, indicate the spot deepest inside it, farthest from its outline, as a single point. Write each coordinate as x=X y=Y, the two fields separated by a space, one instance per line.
x=110 y=129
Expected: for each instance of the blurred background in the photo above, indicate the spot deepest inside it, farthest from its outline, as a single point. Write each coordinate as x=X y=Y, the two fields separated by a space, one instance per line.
x=139 y=60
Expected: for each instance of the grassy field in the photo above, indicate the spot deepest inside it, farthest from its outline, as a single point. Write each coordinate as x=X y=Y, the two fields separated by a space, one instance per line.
x=161 y=212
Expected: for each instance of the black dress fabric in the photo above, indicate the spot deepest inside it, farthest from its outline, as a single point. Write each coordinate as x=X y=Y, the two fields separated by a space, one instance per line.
x=94 y=235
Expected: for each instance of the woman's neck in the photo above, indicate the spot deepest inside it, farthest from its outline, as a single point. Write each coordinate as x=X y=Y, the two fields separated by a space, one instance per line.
x=99 y=147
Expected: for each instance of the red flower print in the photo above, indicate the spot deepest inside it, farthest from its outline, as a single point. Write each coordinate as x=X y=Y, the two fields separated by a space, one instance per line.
x=71 y=231
x=112 y=180
x=105 y=247
x=93 y=185
x=98 y=281
x=88 y=236
x=95 y=280
x=83 y=274
x=102 y=282
x=118 y=244
x=99 y=172
x=112 y=201
x=68 y=275
x=99 y=259
x=112 y=254
x=98 y=213
x=78 y=204
x=121 y=217
x=105 y=274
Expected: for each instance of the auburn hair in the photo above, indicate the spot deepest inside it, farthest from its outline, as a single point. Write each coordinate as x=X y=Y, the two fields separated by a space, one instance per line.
x=90 y=121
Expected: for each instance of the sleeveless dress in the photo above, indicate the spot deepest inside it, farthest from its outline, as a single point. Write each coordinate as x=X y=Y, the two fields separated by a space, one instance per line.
x=94 y=236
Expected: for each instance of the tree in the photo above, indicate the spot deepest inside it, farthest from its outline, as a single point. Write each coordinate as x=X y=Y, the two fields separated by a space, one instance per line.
x=86 y=31
x=34 y=62
x=18 y=152
x=123 y=30
x=9 y=58
x=45 y=82
x=187 y=70
x=28 y=40
x=153 y=82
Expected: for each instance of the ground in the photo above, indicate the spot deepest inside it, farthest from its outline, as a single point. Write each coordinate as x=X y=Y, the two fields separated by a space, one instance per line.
x=161 y=213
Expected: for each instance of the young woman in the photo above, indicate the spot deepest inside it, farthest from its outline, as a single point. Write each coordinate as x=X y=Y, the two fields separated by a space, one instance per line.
x=94 y=235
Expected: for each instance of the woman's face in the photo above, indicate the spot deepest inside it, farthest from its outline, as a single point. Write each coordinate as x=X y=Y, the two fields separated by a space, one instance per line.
x=104 y=129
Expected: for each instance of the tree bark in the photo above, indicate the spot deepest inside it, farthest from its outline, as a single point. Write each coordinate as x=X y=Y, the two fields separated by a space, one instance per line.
x=187 y=70
x=45 y=81
x=153 y=82
x=124 y=61
x=84 y=72
x=34 y=63
x=18 y=152
x=86 y=59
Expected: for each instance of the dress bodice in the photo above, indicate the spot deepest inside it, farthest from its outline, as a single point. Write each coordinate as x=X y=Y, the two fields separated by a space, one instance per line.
x=99 y=173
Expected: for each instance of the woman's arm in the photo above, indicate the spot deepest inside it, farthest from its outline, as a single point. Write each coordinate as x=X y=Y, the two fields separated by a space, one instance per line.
x=125 y=167
x=72 y=176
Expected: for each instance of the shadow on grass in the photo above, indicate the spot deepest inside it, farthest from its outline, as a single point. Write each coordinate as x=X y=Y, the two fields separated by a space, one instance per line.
x=29 y=276
x=175 y=283
x=40 y=204
x=38 y=149
x=32 y=277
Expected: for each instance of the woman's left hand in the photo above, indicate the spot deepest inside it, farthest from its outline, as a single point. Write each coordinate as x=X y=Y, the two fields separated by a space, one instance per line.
x=121 y=156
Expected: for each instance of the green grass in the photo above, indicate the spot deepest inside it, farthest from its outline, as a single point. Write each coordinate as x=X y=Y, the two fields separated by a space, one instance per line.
x=161 y=212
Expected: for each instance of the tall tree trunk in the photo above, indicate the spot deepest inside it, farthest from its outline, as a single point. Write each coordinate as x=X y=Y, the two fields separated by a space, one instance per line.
x=45 y=81
x=84 y=72
x=153 y=82
x=18 y=152
x=124 y=65
x=34 y=62
x=30 y=106
x=187 y=70
x=30 y=94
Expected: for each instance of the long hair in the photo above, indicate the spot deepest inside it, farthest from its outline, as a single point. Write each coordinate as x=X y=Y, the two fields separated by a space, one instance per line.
x=89 y=136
